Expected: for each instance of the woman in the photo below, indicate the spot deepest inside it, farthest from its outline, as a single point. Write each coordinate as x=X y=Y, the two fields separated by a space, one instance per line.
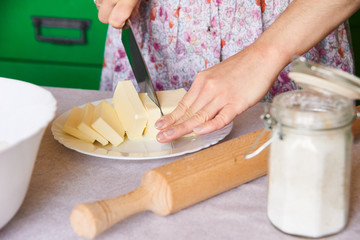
x=228 y=54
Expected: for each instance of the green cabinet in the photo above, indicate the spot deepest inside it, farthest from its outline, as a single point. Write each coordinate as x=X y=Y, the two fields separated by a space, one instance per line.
x=52 y=43
x=46 y=61
x=354 y=22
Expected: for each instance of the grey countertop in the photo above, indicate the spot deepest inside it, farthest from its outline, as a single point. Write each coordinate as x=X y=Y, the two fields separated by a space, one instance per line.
x=63 y=178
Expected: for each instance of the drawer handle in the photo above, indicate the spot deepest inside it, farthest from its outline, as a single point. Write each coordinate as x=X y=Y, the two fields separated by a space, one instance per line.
x=80 y=24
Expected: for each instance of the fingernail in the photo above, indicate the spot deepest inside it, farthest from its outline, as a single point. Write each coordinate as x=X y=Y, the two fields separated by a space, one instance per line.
x=198 y=128
x=165 y=134
x=160 y=137
x=160 y=123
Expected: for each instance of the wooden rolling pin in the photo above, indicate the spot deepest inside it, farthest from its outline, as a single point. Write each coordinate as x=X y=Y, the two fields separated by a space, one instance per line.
x=179 y=184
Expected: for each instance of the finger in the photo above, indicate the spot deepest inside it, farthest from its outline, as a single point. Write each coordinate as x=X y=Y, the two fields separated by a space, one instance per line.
x=105 y=10
x=121 y=12
x=196 y=110
x=186 y=127
x=223 y=118
x=98 y=3
x=169 y=119
x=210 y=96
x=183 y=106
x=135 y=11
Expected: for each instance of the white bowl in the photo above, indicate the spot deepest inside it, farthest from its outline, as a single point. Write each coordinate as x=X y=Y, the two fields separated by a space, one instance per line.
x=25 y=112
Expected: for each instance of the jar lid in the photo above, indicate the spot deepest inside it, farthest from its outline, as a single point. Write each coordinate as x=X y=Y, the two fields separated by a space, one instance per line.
x=321 y=78
x=312 y=110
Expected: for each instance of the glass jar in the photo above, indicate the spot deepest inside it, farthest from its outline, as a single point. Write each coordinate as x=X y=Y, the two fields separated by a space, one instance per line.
x=310 y=155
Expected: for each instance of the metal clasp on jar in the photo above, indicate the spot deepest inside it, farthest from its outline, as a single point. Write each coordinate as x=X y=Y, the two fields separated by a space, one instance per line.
x=269 y=122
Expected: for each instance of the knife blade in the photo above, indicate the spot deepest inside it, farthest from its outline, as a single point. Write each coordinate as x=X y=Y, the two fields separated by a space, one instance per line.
x=138 y=64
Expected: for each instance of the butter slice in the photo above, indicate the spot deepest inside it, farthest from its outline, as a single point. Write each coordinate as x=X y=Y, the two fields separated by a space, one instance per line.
x=86 y=121
x=107 y=123
x=153 y=113
x=169 y=99
x=130 y=110
x=70 y=126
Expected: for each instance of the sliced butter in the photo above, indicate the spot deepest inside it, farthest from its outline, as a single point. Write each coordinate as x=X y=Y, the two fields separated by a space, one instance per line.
x=129 y=109
x=70 y=126
x=107 y=123
x=169 y=99
x=86 y=121
x=153 y=113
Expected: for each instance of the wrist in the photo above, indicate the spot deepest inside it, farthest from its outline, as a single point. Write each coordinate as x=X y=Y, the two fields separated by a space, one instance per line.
x=270 y=57
x=274 y=53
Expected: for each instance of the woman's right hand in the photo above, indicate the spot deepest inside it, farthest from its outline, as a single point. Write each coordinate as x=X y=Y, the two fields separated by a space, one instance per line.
x=116 y=12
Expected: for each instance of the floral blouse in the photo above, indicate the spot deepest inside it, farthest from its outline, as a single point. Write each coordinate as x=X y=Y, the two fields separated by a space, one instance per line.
x=180 y=38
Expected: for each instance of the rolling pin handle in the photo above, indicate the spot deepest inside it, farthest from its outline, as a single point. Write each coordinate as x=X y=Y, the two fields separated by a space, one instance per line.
x=90 y=219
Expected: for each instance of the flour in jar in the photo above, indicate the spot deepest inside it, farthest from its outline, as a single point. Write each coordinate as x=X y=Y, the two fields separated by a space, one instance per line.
x=309 y=181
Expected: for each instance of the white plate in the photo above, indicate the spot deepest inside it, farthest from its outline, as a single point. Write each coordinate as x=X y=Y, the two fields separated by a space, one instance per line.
x=142 y=149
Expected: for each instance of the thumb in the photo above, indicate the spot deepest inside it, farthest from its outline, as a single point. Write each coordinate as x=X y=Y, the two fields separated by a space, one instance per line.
x=121 y=12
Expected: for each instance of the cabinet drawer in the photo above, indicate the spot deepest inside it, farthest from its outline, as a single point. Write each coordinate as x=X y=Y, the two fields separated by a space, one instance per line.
x=18 y=41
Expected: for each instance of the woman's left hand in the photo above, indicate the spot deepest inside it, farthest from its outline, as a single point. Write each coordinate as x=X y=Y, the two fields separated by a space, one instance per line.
x=219 y=94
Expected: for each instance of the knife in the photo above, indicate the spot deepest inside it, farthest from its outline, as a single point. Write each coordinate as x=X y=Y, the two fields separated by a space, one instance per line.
x=138 y=64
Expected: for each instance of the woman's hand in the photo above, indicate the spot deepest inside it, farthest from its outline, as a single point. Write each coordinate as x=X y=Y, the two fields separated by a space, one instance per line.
x=116 y=12
x=219 y=94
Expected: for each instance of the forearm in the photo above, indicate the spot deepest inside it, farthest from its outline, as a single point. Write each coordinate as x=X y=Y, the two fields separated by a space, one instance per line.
x=301 y=26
